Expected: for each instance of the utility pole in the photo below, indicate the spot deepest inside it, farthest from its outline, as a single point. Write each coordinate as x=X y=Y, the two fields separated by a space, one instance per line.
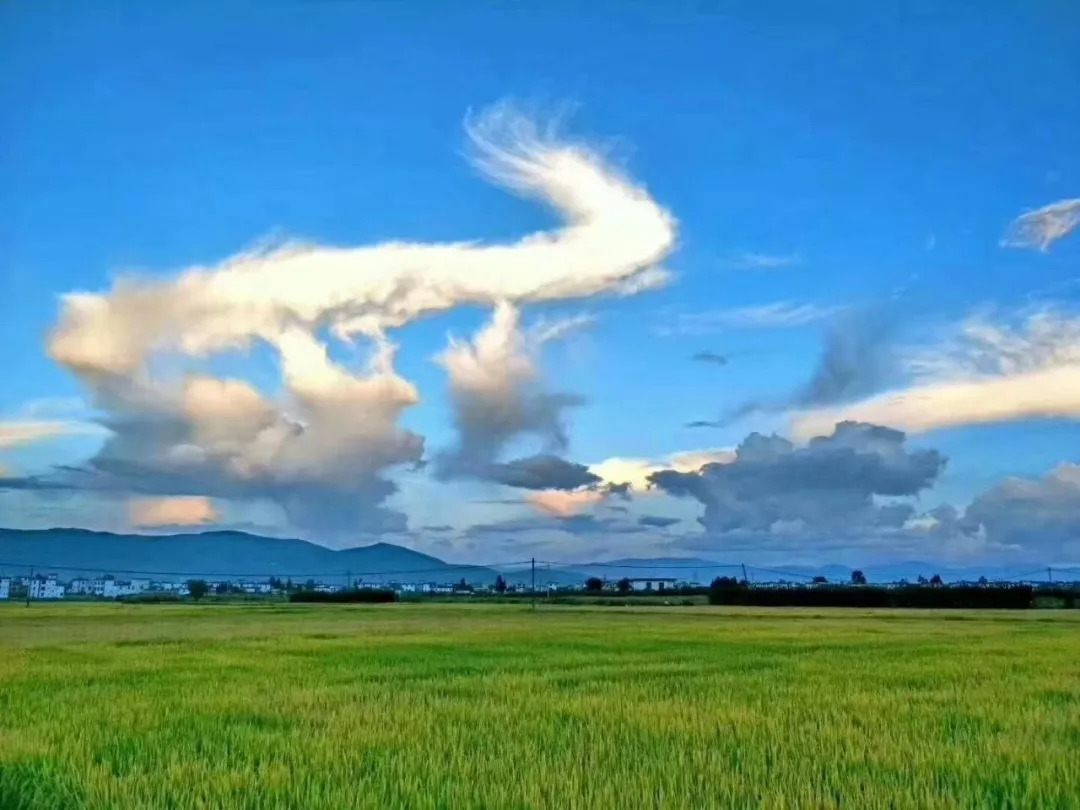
x=28 y=582
x=744 y=579
x=348 y=580
x=534 y=583
x=1050 y=575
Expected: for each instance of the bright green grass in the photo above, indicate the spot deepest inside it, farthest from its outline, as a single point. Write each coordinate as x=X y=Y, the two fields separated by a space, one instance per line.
x=457 y=706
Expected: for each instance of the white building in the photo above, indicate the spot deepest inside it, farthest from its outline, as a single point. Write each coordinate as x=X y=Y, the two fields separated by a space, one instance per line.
x=86 y=587
x=114 y=588
x=46 y=589
x=5 y=588
x=652 y=584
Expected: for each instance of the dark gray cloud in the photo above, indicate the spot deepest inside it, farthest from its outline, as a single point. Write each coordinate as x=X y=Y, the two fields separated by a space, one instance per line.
x=486 y=426
x=832 y=483
x=710 y=357
x=857 y=360
x=498 y=396
x=159 y=453
x=541 y=472
x=440 y=528
x=657 y=521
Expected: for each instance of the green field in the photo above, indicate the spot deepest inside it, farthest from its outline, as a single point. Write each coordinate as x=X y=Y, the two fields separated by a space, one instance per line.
x=456 y=706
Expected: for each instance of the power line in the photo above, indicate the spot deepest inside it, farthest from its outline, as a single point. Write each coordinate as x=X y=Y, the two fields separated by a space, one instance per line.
x=781 y=572
x=499 y=568
x=586 y=566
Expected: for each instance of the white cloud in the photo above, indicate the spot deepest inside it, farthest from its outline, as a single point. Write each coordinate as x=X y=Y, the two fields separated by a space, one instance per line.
x=564 y=504
x=151 y=512
x=987 y=373
x=1041 y=228
x=636 y=471
x=17 y=433
x=614 y=232
x=323 y=448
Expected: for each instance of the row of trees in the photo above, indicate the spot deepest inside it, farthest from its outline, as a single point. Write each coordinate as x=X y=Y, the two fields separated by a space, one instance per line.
x=729 y=591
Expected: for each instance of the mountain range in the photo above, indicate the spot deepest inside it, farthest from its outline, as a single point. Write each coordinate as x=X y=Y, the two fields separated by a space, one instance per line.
x=217 y=555
x=241 y=556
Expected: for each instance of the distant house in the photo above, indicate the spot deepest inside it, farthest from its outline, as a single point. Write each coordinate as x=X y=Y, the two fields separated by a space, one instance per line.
x=46 y=588
x=652 y=583
x=115 y=588
x=81 y=586
x=5 y=588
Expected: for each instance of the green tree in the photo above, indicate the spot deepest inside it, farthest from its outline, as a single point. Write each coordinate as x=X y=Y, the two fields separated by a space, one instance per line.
x=858 y=577
x=500 y=584
x=594 y=585
x=197 y=588
x=624 y=586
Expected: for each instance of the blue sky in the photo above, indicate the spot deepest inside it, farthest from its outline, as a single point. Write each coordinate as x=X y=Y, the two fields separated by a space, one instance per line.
x=869 y=158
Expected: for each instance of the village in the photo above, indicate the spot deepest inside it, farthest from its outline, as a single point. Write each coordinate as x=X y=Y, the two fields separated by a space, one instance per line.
x=51 y=587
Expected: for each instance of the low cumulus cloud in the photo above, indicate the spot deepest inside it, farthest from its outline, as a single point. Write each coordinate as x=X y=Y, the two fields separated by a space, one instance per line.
x=1039 y=229
x=145 y=513
x=324 y=447
x=1036 y=514
x=831 y=484
x=986 y=372
x=855 y=490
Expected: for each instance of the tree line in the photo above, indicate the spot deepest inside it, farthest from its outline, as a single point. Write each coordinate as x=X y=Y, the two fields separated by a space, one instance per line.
x=730 y=591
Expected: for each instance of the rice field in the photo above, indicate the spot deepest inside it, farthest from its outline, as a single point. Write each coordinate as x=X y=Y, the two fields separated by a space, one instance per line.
x=459 y=706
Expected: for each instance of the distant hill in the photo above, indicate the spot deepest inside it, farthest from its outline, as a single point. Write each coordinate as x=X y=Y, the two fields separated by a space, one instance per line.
x=236 y=555
x=239 y=555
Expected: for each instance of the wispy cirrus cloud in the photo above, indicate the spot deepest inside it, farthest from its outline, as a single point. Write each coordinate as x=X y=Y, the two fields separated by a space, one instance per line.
x=776 y=315
x=753 y=260
x=986 y=372
x=1039 y=229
